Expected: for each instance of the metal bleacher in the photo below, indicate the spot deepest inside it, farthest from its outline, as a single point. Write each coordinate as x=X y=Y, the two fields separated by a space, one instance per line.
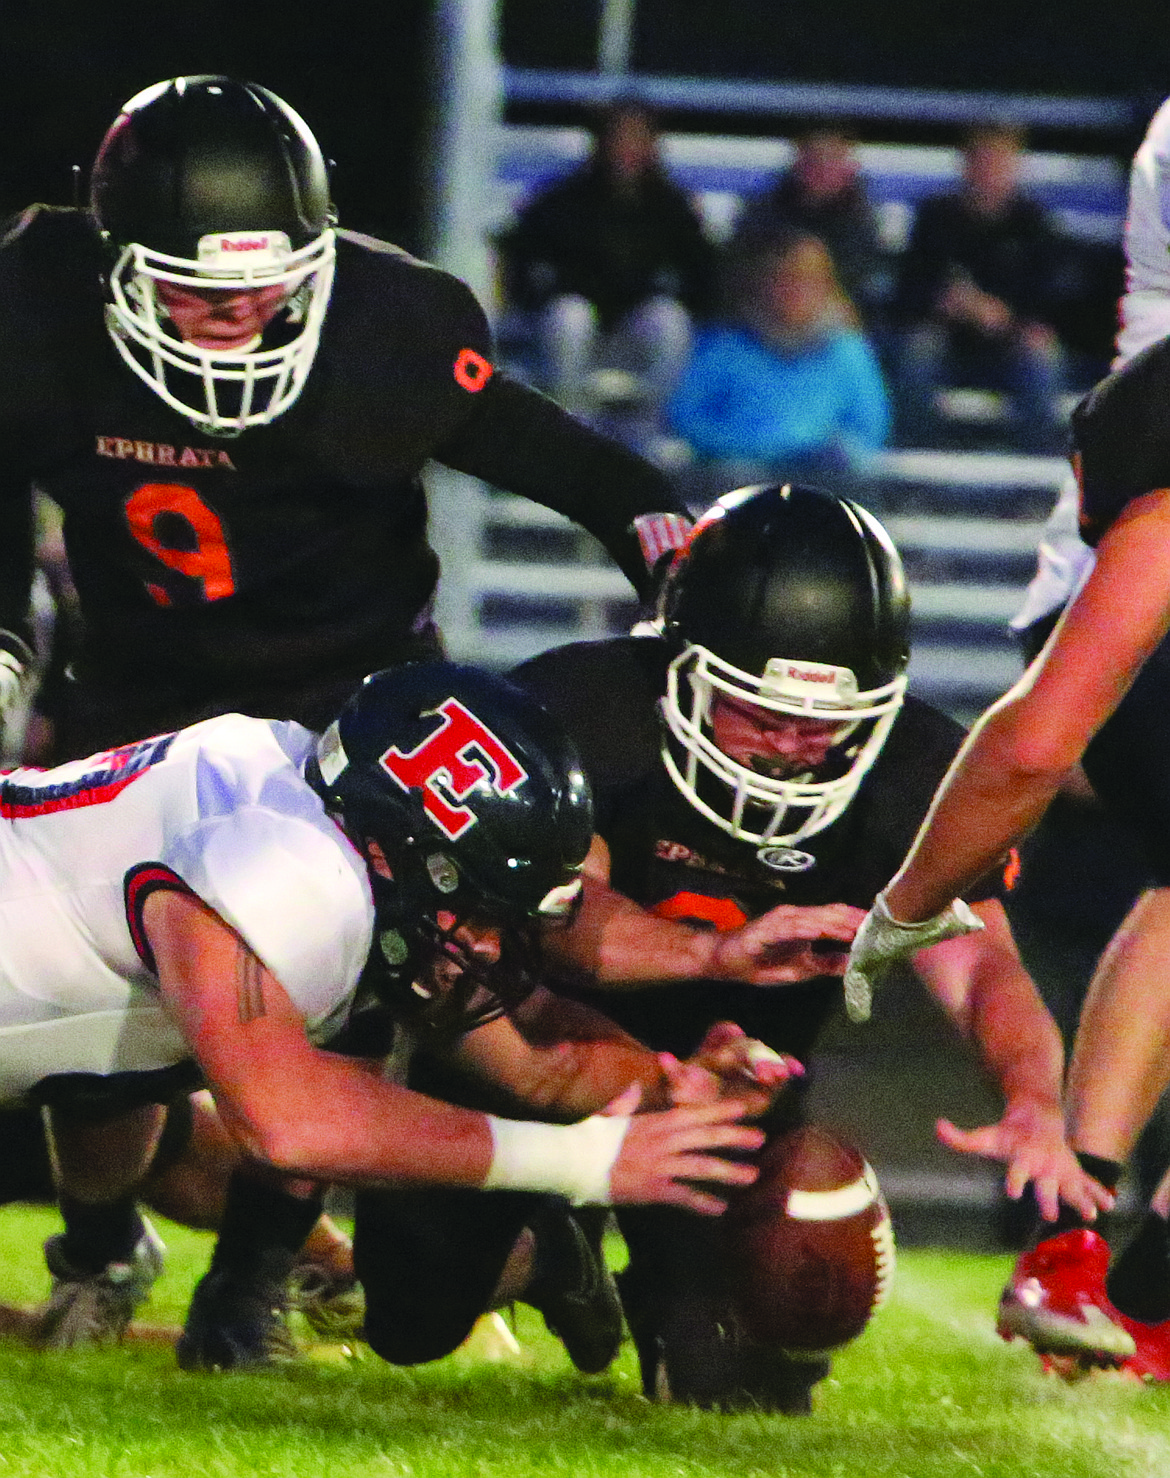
x=518 y=578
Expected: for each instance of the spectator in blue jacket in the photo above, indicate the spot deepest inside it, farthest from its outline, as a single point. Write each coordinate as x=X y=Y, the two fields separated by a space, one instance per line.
x=790 y=387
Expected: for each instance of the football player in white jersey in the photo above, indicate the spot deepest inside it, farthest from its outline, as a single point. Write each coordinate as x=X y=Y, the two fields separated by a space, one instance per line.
x=222 y=895
x=1097 y=694
x=1066 y=1308
x=1064 y=559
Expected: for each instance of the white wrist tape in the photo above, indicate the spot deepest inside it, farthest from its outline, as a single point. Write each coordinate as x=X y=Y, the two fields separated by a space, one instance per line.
x=573 y=1160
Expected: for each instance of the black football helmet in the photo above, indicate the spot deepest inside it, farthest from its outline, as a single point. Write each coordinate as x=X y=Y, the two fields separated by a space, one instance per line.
x=792 y=600
x=206 y=182
x=473 y=793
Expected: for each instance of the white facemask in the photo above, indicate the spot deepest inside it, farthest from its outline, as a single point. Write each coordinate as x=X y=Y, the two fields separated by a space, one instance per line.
x=222 y=391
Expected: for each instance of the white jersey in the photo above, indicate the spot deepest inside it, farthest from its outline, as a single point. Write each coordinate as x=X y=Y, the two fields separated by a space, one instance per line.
x=1145 y=308
x=221 y=809
x=1065 y=561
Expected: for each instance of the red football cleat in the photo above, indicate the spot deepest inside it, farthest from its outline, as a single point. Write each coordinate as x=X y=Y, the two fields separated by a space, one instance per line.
x=1151 y=1362
x=1056 y=1300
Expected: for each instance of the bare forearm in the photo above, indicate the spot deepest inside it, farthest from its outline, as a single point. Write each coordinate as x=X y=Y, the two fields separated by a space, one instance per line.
x=562 y=1059
x=576 y=1079
x=331 y=1119
x=981 y=982
x=987 y=801
x=1016 y=1036
x=1019 y=754
x=1121 y=1063
x=618 y=943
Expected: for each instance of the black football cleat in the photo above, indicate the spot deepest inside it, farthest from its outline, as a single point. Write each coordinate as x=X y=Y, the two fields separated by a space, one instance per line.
x=574 y=1289
x=695 y=1353
x=236 y=1322
x=95 y=1308
x=331 y=1303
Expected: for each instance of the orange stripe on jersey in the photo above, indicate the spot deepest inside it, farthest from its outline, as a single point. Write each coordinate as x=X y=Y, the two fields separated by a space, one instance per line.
x=1012 y=869
x=724 y=913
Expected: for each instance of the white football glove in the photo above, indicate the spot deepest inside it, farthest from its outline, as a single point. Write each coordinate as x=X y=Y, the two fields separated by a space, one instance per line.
x=882 y=941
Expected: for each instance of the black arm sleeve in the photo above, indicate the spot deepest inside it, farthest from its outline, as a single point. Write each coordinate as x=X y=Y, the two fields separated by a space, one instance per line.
x=521 y=441
x=16 y=566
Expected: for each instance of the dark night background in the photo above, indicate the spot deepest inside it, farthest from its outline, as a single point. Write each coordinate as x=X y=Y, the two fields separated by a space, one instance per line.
x=357 y=70
x=1055 y=46
x=354 y=70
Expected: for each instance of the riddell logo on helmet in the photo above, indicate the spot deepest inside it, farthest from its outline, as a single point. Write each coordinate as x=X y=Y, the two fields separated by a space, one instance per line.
x=812 y=674
x=453 y=762
x=217 y=245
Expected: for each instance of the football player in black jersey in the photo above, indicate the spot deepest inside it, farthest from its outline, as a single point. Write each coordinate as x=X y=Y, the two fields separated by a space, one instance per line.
x=787 y=769
x=231 y=399
x=1098 y=690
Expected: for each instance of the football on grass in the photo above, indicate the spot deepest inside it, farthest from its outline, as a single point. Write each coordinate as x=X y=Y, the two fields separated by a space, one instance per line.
x=810 y=1244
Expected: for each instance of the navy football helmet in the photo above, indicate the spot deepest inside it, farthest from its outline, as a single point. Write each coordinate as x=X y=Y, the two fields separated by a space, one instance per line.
x=793 y=600
x=475 y=797
x=208 y=183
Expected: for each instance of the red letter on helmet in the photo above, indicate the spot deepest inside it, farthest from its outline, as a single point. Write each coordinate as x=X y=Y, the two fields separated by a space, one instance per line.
x=457 y=757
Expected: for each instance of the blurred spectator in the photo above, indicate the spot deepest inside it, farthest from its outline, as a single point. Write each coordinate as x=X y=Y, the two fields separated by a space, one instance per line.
x=978 y=286
x=788 y=388
x=614 y=263
x=822 y=192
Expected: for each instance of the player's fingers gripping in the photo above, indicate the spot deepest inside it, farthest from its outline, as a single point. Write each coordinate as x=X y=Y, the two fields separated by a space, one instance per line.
x=721 y=1034
x=739 y=1059
x=693 y=1198
x=687 y=1082
x=791 y=922
x=1045 y=1188
x=786 y=965
x=662 y=1149
x=777 y=948
x=625 y=1103
x=1069 y=1184
x=1092 y=1198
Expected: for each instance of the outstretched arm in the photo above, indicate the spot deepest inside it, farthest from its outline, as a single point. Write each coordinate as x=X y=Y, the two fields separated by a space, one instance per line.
x=621 y=944
x=566 y=1060
x=1018 y=754
x=520 y=440
x=981 y=982
x=314 y=1113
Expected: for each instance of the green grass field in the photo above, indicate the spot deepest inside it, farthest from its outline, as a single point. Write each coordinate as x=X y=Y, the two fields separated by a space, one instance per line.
x=928 y=1392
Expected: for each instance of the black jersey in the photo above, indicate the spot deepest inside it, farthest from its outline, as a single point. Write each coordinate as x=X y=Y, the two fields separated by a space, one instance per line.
x=1121 y=439
x=673 y=861
x=216 y=562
